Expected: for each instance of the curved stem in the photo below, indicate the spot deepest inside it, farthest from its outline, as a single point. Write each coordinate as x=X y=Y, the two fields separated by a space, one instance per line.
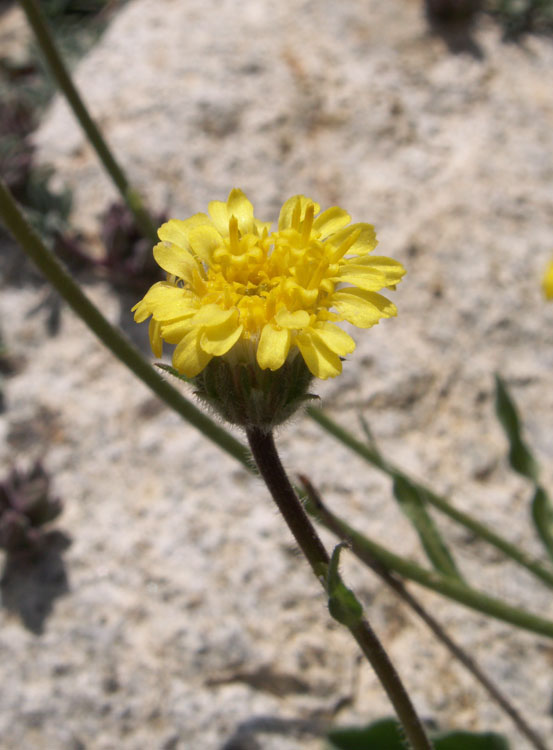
x=374 y=458
x=110 y=336
x=367 y=550
x=458 y=652
x=264 y=451
x=37 y=21
x=131 y=357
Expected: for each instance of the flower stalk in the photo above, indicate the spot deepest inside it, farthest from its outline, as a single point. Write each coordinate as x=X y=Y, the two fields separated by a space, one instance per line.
x=131 y=358
x=45 y=40
x=115 y=341
x=268 y=462
x=396 y=584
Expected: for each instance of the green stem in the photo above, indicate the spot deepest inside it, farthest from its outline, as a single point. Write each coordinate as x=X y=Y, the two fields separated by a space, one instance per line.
x=37 y=21
x=110 y=336
x=368 y=551
x=395 y=583
x=268 y=462
x=373 y=457
x=132 y=358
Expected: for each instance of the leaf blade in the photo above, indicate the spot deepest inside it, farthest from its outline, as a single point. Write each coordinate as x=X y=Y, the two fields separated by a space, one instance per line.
x=520 y=457
x=413 y=505
x=542 y=515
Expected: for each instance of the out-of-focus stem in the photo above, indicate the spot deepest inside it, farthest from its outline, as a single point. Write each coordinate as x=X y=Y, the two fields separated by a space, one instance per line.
x=131 y=357
x=373 y=457
x=368 y=550
x=108 y=334
x=37 y=21
x=458 y=652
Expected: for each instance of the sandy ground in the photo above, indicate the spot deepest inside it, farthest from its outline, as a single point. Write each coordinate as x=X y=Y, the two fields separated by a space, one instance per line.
x=179 y=615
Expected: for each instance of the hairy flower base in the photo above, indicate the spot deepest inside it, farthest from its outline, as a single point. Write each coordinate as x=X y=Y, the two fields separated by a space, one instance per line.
x=247 y=396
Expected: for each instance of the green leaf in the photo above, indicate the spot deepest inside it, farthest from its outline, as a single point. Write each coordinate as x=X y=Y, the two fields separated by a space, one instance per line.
x=542 y=515
x=343 y=605
x=371 y=442
x=413 y=503
x=384 y=734
x=469 y=741
x=172 y=371
x=520 y=458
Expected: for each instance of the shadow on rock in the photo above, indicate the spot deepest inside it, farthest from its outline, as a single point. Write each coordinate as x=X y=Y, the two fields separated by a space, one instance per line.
x=33 y=579
x=454 y=22
x=245 y=735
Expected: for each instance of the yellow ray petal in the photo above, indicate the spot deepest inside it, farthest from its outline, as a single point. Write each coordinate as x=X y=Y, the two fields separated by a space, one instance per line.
x=298 y=319
x=362 y=308
x=273 y=347
x=219 y=339
x=176 y=260
x=204 y=241
x=213 y=315
x=371 y=272
x=240 y=207
x=261 y=227
x=547 y=283
x=156 y=342
x=321 y=361
x=364 y=240
x=176 y=330
x=337 y=340
x=178 y=230
x=219 y=216
x=189 y=358
x=164 y=301
x=330 y=221
x=288 y=209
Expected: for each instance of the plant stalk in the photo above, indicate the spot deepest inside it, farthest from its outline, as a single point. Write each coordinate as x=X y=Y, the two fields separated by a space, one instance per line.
x=367 y=550
x=453 y=647
x=268 y=462
x=373 y=457
x=108 y=334
x=131 y=357
x=37 y=21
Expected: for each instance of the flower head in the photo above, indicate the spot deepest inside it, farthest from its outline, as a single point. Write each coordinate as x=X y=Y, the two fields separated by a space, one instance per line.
x=547 y=282
x=234 y=289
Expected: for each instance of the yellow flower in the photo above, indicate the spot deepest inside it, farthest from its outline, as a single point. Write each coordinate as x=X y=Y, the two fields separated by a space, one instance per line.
x=238 y=291
x=547 y=282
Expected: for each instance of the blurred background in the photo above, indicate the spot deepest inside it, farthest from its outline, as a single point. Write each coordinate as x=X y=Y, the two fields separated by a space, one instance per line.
x=173 y=611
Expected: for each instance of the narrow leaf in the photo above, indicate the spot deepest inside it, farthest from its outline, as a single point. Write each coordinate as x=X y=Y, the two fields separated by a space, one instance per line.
x=520 y=458
x=384 y=734
x=371 y=442
x=469 y=741
x=172 y=371
x=413 y=503
x=542 y=515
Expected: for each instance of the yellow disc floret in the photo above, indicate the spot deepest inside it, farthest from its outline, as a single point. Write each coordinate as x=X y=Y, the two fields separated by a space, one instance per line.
x=236 y=290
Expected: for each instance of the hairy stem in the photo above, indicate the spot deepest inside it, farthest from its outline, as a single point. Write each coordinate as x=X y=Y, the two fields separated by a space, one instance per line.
x=455 y=649
x=264 y=451
x=131 y=357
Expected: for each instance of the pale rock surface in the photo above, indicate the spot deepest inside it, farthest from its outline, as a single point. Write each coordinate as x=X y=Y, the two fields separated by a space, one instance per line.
x=181 y=576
